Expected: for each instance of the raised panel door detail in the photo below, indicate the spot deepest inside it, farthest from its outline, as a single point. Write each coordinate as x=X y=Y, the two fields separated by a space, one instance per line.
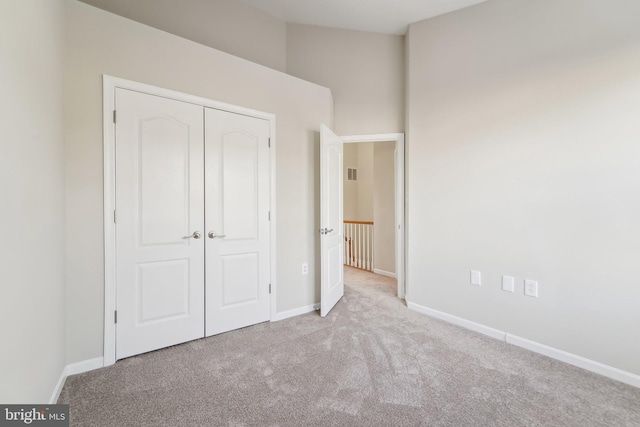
x=240 y=283
x=163 y=290
x=164 y=181
x=239 y=185
x=335 y=267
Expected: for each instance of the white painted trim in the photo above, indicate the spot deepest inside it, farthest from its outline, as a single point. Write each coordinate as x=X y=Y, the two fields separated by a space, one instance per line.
x=401 y=231
x=73 y=369
x=294 y=312
x=554 y=353
x=272 y=209
x=59 y=386
x=575 y=360
x=467 y=324
x=384 y=273
x=398 y=138
x=379 y=137
x=108 y=98
x=109 y=85
x=85 y=366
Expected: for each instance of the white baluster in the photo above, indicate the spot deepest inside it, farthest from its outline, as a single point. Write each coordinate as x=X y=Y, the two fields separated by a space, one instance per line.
x=359 y=240
x=372 y=248
x=366 y=245
x=351 y=236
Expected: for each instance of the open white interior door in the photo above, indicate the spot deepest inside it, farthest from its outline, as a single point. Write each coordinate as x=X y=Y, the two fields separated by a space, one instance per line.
x=331 y=228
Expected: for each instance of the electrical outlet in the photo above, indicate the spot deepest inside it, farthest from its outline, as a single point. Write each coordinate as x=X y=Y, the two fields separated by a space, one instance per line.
x=531 y=288
x=476 y=278
x=305 y=269
x=508 y=283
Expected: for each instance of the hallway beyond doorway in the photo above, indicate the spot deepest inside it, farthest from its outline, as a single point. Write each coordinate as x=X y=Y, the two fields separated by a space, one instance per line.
x=379 y=285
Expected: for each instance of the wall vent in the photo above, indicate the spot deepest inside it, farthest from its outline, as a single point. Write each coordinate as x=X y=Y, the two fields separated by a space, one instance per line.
x=352 y=174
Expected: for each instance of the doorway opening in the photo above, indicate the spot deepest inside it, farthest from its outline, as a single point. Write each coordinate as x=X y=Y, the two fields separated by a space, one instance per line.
x=373 y=208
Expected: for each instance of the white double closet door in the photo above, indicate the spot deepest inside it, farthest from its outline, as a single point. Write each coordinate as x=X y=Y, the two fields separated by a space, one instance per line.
x=192 y=222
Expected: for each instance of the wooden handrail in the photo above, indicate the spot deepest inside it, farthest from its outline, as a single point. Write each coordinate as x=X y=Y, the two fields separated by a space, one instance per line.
x=358 y=222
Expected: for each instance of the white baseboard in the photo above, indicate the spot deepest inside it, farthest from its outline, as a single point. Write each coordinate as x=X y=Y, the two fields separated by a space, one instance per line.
x=73 y=369
x=58 y=388
x=295 y=312
x=85 y=366
x=575 y=360
x=477 y=327
x=385 y=273
x=554 y=353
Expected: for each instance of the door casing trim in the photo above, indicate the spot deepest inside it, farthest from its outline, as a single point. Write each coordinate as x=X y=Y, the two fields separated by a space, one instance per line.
x=109 y=86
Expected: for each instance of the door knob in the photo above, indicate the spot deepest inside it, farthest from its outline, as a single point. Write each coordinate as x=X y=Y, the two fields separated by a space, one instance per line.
x=213 y=235
x=195 y=235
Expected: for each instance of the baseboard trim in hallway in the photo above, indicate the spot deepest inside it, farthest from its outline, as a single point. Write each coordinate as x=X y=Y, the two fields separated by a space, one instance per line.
x=554 y=353
x=384 y=273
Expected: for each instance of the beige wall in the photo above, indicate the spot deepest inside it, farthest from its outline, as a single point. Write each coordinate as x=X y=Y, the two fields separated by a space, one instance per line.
x=365 y=182
x=368 y=87
x=523 y=157
x=384 y=205
x=358 y=195
x=99 y=42
x=365 y=72
x=32 y=224
x=227 y=25
x=350 y=188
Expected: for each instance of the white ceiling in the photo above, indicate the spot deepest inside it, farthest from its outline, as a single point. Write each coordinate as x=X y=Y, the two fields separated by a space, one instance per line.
x=380 y=16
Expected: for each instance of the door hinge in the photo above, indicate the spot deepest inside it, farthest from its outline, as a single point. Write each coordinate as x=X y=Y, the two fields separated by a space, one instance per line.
x=269 y=287
x=115 y=316
x=115 y=217
x=269 y=215
x=269 y=143
x=114 y=116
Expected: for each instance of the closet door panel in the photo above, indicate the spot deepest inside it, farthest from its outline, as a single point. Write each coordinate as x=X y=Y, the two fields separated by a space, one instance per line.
x=159 y=207
x=237 y=221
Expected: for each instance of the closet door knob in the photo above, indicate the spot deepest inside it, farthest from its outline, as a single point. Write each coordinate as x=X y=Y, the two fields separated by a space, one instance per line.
x=196 y=235
x=213 y=235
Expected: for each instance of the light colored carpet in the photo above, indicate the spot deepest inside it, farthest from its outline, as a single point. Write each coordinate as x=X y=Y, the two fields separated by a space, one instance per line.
x=371 y=362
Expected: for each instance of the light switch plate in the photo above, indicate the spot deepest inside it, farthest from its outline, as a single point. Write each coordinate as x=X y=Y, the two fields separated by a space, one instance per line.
x=531 y=288
x=476 y=278
x=508 y=283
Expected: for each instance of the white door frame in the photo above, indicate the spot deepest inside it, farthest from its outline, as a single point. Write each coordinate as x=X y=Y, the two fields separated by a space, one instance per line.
x=398 y=138
x=109 y=85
